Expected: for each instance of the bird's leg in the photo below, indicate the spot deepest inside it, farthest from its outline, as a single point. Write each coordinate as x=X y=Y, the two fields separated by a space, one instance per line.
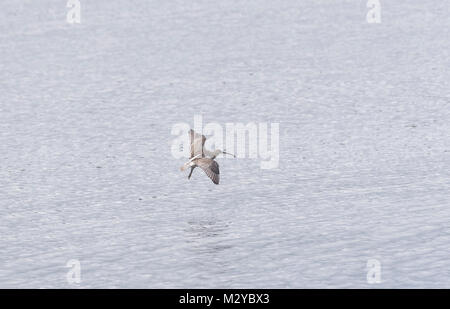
x=192 y=169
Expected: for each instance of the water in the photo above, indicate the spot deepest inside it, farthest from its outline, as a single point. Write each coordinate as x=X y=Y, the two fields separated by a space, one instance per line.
x=86 y=171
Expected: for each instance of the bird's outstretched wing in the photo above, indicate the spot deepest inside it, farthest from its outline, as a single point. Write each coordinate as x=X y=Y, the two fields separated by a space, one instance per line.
x=197 y=143
x=210 y=167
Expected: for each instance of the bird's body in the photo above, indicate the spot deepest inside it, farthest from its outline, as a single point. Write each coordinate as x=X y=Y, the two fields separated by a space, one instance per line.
x=203 y=158
x=209 y=166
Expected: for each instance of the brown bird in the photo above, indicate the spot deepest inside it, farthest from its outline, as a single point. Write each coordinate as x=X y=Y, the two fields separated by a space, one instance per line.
x=203 y=158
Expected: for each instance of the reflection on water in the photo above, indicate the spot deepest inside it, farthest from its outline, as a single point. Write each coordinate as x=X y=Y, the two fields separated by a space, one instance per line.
x=207 y=236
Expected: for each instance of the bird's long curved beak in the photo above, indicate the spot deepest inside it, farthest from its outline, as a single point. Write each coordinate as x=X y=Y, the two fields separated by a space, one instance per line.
x=229 y=154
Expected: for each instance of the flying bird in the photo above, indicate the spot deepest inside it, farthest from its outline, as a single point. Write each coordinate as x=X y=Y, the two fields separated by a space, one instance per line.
x=203 y=158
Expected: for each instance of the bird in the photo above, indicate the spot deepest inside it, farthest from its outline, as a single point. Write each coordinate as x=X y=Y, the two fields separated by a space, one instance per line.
x=203 y=158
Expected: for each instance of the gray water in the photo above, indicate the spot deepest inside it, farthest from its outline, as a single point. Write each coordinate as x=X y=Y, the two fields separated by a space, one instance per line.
x=86 y=171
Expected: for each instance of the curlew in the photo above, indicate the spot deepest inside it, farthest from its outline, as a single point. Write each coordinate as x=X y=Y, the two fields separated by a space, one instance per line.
x=203 y=158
